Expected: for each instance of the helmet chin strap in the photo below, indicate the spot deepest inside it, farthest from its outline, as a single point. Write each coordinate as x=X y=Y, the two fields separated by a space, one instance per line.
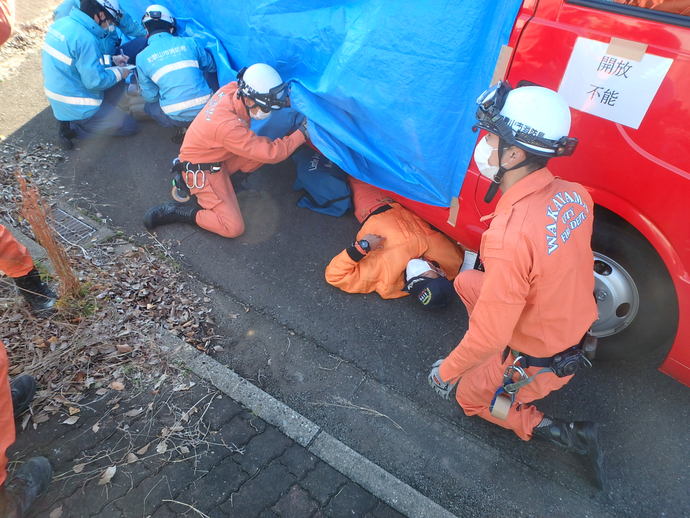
x=498 y=177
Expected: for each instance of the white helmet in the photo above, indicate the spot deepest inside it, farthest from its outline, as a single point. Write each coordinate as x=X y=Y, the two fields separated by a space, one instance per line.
x=158 y=12
x=112 y=7
x=263 y=84
x=532 y=118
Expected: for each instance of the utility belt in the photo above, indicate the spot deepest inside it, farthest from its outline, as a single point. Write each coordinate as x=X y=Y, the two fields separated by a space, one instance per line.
x=188 y=175
x=563 y=364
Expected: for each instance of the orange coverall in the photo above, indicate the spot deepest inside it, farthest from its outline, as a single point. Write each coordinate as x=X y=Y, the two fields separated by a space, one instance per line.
x=15 y=261
x=535 y=295
x=407 y=237
x=220 y=133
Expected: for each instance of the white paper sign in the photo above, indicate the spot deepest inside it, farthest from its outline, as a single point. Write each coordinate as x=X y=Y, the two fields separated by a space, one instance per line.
x=611 y=87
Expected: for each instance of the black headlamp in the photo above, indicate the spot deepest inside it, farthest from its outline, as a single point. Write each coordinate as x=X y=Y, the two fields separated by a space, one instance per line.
x=275 y=99
x=489 y=106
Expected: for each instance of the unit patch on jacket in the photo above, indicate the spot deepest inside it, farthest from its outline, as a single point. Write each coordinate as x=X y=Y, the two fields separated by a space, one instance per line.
x=566 y=211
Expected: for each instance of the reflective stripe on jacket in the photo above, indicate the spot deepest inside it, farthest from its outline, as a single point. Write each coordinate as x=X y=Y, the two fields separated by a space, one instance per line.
x=73 y=77
x=171 y=70
x=127 y=26
x=383 y=271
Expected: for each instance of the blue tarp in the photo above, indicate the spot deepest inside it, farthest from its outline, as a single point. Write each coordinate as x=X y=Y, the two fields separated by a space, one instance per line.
x=388 y=86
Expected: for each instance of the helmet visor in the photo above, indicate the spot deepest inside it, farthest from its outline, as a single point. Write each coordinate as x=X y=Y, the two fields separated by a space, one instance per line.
x=489 y=106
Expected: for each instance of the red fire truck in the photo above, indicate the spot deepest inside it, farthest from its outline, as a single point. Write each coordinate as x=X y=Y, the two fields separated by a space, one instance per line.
x=625 y=71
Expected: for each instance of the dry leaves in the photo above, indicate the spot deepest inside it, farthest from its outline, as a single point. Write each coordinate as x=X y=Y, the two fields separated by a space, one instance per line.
x=107 y=475
x=71 y=420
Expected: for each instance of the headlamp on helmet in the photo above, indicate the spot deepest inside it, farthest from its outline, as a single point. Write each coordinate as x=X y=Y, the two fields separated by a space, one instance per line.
x=528 y=132
x=273 y=98
x=157 y=13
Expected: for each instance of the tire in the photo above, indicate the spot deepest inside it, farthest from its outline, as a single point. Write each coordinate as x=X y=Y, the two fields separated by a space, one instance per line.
x=638 y=308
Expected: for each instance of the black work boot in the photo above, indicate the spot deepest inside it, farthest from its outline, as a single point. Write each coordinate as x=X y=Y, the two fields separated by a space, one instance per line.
x=29 y=481
x=171 y=213
x=581 y=437
x=36 y=292
x=65 y=135
x=23 y=391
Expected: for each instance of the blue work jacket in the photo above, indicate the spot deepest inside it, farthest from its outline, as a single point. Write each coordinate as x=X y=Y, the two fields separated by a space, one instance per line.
x=127 y=26
x=170 y=71
x=74 y=77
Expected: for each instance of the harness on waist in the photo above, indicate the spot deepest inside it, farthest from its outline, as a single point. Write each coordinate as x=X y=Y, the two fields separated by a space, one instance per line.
x=565 y=363
x=188 y=175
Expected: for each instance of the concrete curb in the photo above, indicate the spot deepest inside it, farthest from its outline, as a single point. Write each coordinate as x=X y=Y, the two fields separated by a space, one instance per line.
x=356 y=467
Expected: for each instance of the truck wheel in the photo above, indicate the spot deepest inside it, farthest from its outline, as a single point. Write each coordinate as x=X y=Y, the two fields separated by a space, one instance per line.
x=638 y=310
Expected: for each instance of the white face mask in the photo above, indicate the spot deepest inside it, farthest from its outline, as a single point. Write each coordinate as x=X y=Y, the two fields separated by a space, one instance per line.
x=482 y=153
x=111 y=27
x=260 y=115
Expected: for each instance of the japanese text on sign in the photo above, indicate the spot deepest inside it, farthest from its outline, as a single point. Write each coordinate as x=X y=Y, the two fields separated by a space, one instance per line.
x=611 y=87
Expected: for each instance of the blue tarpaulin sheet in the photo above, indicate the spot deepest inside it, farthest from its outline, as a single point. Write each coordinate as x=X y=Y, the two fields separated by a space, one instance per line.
x=389 y=87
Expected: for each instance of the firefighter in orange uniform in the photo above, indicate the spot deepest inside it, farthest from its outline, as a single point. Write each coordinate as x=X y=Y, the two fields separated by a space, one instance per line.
x=218 y=144
x=34 y=475
x=533 y=306
x=395 y=253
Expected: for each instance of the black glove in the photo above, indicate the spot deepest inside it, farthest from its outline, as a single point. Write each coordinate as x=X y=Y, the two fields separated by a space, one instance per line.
x=303 y=128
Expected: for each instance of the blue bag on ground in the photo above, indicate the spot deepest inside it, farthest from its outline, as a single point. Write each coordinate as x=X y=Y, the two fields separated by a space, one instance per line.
x=325 y=185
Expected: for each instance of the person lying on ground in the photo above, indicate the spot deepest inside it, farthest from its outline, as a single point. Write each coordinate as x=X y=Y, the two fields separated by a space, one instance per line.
x=395 y=253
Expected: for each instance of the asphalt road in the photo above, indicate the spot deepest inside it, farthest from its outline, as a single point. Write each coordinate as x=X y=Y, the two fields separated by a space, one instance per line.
x=310 y=344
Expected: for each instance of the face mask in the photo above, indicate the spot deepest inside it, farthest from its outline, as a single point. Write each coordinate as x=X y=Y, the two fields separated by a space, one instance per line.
x=482 y=153
x=260 y=115
x=111 y=27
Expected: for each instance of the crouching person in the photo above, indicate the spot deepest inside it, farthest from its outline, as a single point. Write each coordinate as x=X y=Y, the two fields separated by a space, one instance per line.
x=171 y=72
x=531 y=307
x=395 y=253
x=83 y=92
x=219 y=143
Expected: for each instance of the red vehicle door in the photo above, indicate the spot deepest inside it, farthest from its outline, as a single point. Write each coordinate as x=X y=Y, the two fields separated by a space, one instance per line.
x=631 y=157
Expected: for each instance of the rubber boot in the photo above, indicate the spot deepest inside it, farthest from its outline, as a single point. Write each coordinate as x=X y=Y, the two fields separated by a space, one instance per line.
x=29 y=481
x=581 y=437
x=37 y=293
x=170 y=212
x=23 y=390
x=65 y=135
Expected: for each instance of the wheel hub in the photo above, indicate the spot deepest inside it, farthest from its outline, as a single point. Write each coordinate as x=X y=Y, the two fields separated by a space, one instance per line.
x=617 y=297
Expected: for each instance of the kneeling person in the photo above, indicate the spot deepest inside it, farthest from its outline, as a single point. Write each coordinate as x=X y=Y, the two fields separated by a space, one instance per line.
x=171 y=71
x=220 y=143
x=533 y=305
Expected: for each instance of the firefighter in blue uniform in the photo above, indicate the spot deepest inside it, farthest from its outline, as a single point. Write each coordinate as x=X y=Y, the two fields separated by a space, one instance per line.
x=171 y=71
x=112 y=45
x=82 y=91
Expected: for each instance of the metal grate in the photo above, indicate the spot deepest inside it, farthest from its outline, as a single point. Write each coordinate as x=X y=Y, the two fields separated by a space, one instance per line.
x=69 y=229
